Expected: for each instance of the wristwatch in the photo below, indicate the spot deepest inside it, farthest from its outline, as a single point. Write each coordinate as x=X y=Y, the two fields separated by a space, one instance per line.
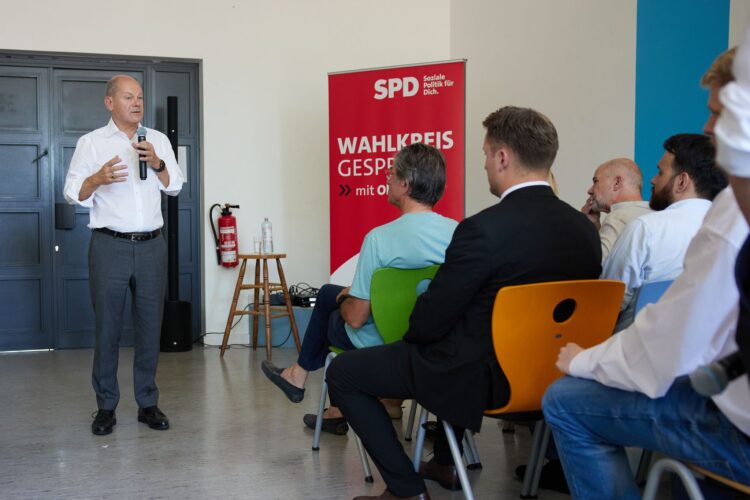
x=161 y=168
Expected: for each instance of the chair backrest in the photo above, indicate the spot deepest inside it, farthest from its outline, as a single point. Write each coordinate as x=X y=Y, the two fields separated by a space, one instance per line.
x=650 y=293
x=393 y=293
x=530 y=323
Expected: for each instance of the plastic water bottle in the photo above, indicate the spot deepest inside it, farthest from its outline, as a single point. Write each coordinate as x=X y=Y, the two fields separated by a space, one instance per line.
x=267 y=236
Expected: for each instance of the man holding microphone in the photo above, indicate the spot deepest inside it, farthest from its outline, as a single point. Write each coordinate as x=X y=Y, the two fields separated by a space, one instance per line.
x=127 y=251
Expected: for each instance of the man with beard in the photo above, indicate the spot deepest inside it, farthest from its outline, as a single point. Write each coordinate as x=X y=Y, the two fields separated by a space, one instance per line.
x=652 y=247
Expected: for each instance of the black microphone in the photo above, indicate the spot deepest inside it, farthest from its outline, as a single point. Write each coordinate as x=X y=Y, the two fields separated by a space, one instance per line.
x=710 y=380
x=142 y=163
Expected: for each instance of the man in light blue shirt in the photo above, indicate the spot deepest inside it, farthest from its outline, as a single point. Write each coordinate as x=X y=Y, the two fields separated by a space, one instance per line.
x=342 y=316
x=653 y=246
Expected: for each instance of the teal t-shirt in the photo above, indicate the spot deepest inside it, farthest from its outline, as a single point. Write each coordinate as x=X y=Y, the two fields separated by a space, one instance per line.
x=412 y=241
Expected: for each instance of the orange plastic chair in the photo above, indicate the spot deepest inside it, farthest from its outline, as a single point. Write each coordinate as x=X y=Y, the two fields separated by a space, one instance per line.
x=530 y=323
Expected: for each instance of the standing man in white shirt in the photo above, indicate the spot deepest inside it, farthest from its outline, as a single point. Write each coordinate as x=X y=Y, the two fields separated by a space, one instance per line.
x=652 y=247
x=127 y=251
x=615 y=191
x=632 y=389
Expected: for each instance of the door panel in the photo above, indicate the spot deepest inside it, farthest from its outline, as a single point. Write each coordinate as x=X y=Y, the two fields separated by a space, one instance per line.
x=25 y=215
x=19 y=103
x=173 y=83
x=18 y=163
x=82 y=101
x=24 y=249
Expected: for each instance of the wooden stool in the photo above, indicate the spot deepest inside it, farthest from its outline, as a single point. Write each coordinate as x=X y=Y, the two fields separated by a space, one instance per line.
x=267 y=308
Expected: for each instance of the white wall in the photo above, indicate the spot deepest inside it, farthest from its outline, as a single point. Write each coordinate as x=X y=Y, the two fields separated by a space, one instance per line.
x=739 y=16
x=264 y=96
x=574 y=64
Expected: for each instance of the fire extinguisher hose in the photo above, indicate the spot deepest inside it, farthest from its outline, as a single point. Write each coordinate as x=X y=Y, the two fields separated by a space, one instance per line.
x=213 y=229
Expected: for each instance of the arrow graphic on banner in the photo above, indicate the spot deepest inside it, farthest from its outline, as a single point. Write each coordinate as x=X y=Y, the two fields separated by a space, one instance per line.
x=345 y=190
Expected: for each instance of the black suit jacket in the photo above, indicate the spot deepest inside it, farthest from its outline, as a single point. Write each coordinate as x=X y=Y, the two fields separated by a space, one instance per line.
x=529 y=237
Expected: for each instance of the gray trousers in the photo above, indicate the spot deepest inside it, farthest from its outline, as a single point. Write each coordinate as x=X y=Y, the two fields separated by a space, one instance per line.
x=118 y=266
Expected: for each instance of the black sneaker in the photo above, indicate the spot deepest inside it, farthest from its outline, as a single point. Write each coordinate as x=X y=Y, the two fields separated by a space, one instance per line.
x=103 y=422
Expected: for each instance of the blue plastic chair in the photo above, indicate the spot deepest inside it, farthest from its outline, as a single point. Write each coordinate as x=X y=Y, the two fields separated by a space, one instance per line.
x=650 y=293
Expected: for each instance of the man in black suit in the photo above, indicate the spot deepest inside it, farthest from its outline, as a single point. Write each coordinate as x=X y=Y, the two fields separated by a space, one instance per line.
x=446 y=360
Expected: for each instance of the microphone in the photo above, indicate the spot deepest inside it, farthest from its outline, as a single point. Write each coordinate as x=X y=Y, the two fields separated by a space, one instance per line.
x=710 y=380
x=142 y=163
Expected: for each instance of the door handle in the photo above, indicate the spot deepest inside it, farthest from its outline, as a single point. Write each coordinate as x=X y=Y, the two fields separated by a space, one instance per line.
x=45 y=153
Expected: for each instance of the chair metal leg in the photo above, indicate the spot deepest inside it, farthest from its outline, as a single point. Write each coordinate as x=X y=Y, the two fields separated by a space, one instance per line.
x=322 y=404
x=534 y=467
x=687 y=478
x=417 y=458
x=363 y=459
x=643 y=465
x=410 y=423
x=468 y=453
x=458 y=461
x=470 y=450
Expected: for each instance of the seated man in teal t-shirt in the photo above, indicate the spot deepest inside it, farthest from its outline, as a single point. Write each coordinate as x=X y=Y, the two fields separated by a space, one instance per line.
x=341 y=317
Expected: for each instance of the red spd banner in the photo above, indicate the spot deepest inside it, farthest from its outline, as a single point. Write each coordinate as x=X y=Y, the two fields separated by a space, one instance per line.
x=372 y=115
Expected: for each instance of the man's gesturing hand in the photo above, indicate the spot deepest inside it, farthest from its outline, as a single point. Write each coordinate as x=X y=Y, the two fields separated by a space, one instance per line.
x=111 y=172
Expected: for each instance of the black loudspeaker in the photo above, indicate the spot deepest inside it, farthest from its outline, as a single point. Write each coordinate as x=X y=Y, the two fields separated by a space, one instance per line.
x=176 y=331
x=65 y=216
x=176 y=327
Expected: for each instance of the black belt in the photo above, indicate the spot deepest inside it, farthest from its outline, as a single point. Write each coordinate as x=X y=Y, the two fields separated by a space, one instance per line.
x=148 y=235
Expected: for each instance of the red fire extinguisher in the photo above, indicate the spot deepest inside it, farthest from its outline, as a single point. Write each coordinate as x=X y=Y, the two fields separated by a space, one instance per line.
x=226 y=240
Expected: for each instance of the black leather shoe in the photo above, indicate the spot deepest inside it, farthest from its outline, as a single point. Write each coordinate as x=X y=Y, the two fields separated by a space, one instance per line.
x=387 y=495
x=154 y=418
x=552 y=477
x=103 y=422
x=336 y=426
x=445 y=475
x=273 y=372
x=430 y=430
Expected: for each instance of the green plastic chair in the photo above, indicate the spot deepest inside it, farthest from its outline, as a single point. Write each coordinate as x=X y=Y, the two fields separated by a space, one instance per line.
x=393 y=293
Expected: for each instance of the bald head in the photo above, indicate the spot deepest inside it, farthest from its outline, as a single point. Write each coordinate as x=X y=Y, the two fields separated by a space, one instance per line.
x=113 y=84
x=615 y=181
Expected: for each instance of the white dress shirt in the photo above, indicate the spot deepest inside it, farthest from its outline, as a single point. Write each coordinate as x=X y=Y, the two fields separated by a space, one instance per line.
x=522 y=185
x=615 y=221
x=733 y=127
x=652 y=247
x=130 y=206
x=693 y=324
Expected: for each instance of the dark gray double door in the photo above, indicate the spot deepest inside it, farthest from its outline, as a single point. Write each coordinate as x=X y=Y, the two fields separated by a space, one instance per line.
x=44 y=109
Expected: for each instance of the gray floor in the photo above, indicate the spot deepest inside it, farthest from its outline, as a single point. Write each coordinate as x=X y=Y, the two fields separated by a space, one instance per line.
x=233 y=435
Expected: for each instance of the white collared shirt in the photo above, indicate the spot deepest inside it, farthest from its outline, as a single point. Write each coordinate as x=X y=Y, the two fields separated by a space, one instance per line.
x=693 y=324
x=521 y=186
x=652 y=247
x=733 y=126
x=615 y=221
x=130 y=206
